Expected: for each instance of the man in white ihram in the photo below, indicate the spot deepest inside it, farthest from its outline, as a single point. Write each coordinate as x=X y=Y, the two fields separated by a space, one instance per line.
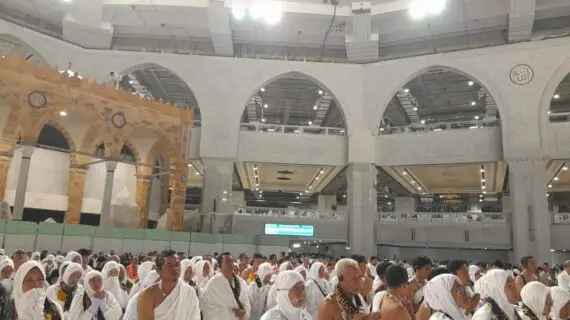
x=225 y=295
x=564 y=277
x=170 y=298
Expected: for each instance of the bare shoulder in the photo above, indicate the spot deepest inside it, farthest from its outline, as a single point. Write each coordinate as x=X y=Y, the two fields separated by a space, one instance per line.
x=148 y=295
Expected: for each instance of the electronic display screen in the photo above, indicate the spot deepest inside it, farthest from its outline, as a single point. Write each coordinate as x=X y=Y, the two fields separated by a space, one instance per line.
x=289 y=230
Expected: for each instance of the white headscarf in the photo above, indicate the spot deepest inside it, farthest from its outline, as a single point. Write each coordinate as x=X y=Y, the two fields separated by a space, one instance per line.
x=284 y=266
x=6 y=262
x=65 y=264
x=90 y=275
x=302 y=269
x=285 y=281
x=492 y=285
x=70 y=270
x=48 y=268
x=314 y=272
x=533 y=295
x=263 y=270
x=184 y=265
x=144 y=269
x=560 y=298
x=72 y=255
x=437 y=293
x=29 y=305
x=473 y=269
x=35 y=256
x=112 y=284
x=151 y=279
x=199 y=277
x=196 y=259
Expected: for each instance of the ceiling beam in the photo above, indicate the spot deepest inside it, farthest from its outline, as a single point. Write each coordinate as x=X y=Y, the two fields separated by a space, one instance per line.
x=521 y=20
x=220 y=29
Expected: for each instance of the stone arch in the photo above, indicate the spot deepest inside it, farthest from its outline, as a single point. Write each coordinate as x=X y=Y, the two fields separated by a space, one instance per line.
x=94 y=137
x=179 y=93
x=58 y=128
x=551 y=87
x=129 y=149
x=12 y=125
x=478 y=77
x=343 y=110
x=20 y=48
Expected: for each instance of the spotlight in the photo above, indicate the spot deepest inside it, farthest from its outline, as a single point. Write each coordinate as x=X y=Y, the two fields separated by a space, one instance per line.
x=565 y=168
x=415 y=108
x=63 y=113
x=476 y=117
x=556 y=96
x=265 y=106
x=315 y=107
x=406 y=90
x=320 y=92
x=473 y=103
x=263 y=120
x=239 y=13
x=310 y=123
x=470 y=83
x=423 y=122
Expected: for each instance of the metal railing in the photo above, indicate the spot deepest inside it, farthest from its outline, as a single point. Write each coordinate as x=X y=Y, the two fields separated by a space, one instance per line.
x=561 y=218
x=445 y=217
x=289 y=129
x=559 y=117
x=290 y=213
x=435 y=127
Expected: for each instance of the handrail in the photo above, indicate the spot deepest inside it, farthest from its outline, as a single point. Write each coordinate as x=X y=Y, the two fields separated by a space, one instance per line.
x=445 y=217
x=435 y=127
x=290 y=129
x=290 y=213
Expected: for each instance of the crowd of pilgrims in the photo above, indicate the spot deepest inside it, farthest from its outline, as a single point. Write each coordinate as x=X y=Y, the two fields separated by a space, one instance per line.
x=168 y=285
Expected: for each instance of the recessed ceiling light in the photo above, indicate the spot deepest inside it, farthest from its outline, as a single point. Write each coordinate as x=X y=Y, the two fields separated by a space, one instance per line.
x=470 y=83
x=316 y=178
x=381 y=129
x=406 y=90
x=315 y=107
x=552 y=250
x=344 y=195
x=473 y=103
x=265 y=106
x=322 y=171
x=321 y=92
x=556 y=96
x=549 y=112
x=547 y=195
x=480 y=200
x=423 y=121
x=389 y=203
x=482 y=180
x=404 y=173
x=480 y=196
x=419 y=189
x=190 y=165
x=415 y=108
x=550 y=186
x=556 y=178
x=62 y=113
x=310 y=123
x=484 y=192
x=413 y=182
x=263 y=120
x=476 y=117
x=197 y=173
x=482 y=170
x=565 y=168
x=385 y=196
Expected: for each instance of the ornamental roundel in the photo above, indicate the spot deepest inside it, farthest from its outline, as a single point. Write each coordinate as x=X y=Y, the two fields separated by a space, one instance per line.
x=119 y=120
x=522 y=74
x=37 y=99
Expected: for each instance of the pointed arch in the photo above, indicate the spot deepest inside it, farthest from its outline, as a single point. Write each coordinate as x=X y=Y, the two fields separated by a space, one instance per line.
x=48 y=136
x=128 y=149
x=549 y=91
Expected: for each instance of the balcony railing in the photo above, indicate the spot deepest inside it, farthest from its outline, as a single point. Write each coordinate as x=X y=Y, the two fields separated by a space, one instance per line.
x=559 y=116
x=445 y=217
x=299 y=130
x=290 y=213
x=561 y=218
x=436 y=127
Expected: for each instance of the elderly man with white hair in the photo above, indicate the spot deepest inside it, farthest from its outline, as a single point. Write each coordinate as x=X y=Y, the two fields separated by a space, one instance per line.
x=564 y=277
x=345 y=303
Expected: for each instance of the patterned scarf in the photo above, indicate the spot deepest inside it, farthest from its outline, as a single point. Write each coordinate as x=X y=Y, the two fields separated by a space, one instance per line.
x=497 y=311
x=346 y=304
x=51 y=311
x=527 y=312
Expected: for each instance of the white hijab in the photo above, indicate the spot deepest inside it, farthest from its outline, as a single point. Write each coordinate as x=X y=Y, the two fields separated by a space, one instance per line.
x=29 y=305
x=437 y=294
x=70 y=270
x=64 y=265
x=302 y=269
x=314 y=274
x=473 y=269
x=6 y=262
x=284 y=266
x=285 y=281
x=492 y=285
x=560 y=298
x=533 y=295
x=263 y=270
x=199 y=277
x=112 y=284
x=90 y=275
x=144 y=269
x=72 y=255
x=35 y=256
x=184 y=265
x=47 y=267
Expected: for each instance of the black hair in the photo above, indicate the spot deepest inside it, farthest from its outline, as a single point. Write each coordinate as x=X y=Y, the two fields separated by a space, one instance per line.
x=162 y=256
x=272 y=256
x=481 y=264
x=525 y=260
x=221 y=257
x=499 y=264
x=436 y=272
x=358 y=258
x=396 y=276
x=84 y=252
x=420 y=262
x=454 y=265
x=373 y=258
x=257 y=255
x=381 y=268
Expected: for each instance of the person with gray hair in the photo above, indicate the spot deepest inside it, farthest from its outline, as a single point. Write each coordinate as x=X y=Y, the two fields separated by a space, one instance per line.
x=564 y=277
x=345 y=303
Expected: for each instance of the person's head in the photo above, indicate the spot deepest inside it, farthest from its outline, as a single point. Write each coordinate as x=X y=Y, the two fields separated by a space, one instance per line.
x=186 y=270
x=93 y=282
x=302 y=271
x=361 y=260
x=168 y=266
x=85 y=255
x=290 y=292
x=536 y=296
x=144 y=269
x=560 y=303
x=285 y=266
x=436 y=272
x=482 y=266
x=446 y=293
x=243 y=258
x=50 y=260
x=422 y=267
x=373 y=260
x=19 y=257
x=226 y=263
x=349 y=276
x=317 y=271
x=264 y=273
x=72 y=274
x=499 y=285
x=257 y=259
x=567 y=266
x=6 y=268
x=29 y=276
x=273 y=259
x=460 y=269
x=529 y=263
x=397 y=280
x=203 y=268
x=381 y=269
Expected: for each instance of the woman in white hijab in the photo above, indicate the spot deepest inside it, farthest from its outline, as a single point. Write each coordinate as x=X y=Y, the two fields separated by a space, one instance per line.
x=446 y=296
x=536 y=301
x=94 y=303
x=142 y=272
x=50 y=265
x=259 y=289
x=112 y=284
x=560 y=304
x=303 y=271
x=202 y=273
x=285 y=266
x=65 y=289
x=131 y=310
x=271 y=302
x=474 y=274
x=290 y=298
x=74 y=256
x=30 y=294
x=6 y=284
x=318 y=288
x=187 y=274
x=499 y=296
x=36 y=256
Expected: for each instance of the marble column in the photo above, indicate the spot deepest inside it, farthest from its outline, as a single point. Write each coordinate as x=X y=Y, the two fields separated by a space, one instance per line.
x=362 y=208
x=105 y=220
x=4 y=166
x=530 y=217
x=75 y=186
x=175 y=219
x=22 y=186
x=217 y=187
x=144 y=180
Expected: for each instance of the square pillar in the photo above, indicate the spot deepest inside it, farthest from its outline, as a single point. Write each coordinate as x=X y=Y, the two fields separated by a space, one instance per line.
x=175 y=218
x=238 y=199
x=362 y=208
x=326 y=202
x=217 y=187
x=75 y=186
x=105 y=220
x=20 y=198
x=4 y=166
x=530 y=216
x=144 y=180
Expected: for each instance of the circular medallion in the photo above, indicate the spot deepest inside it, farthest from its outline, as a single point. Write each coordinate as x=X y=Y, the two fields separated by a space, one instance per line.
x=37 y=99
x=118 y=119
x=522 y=74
